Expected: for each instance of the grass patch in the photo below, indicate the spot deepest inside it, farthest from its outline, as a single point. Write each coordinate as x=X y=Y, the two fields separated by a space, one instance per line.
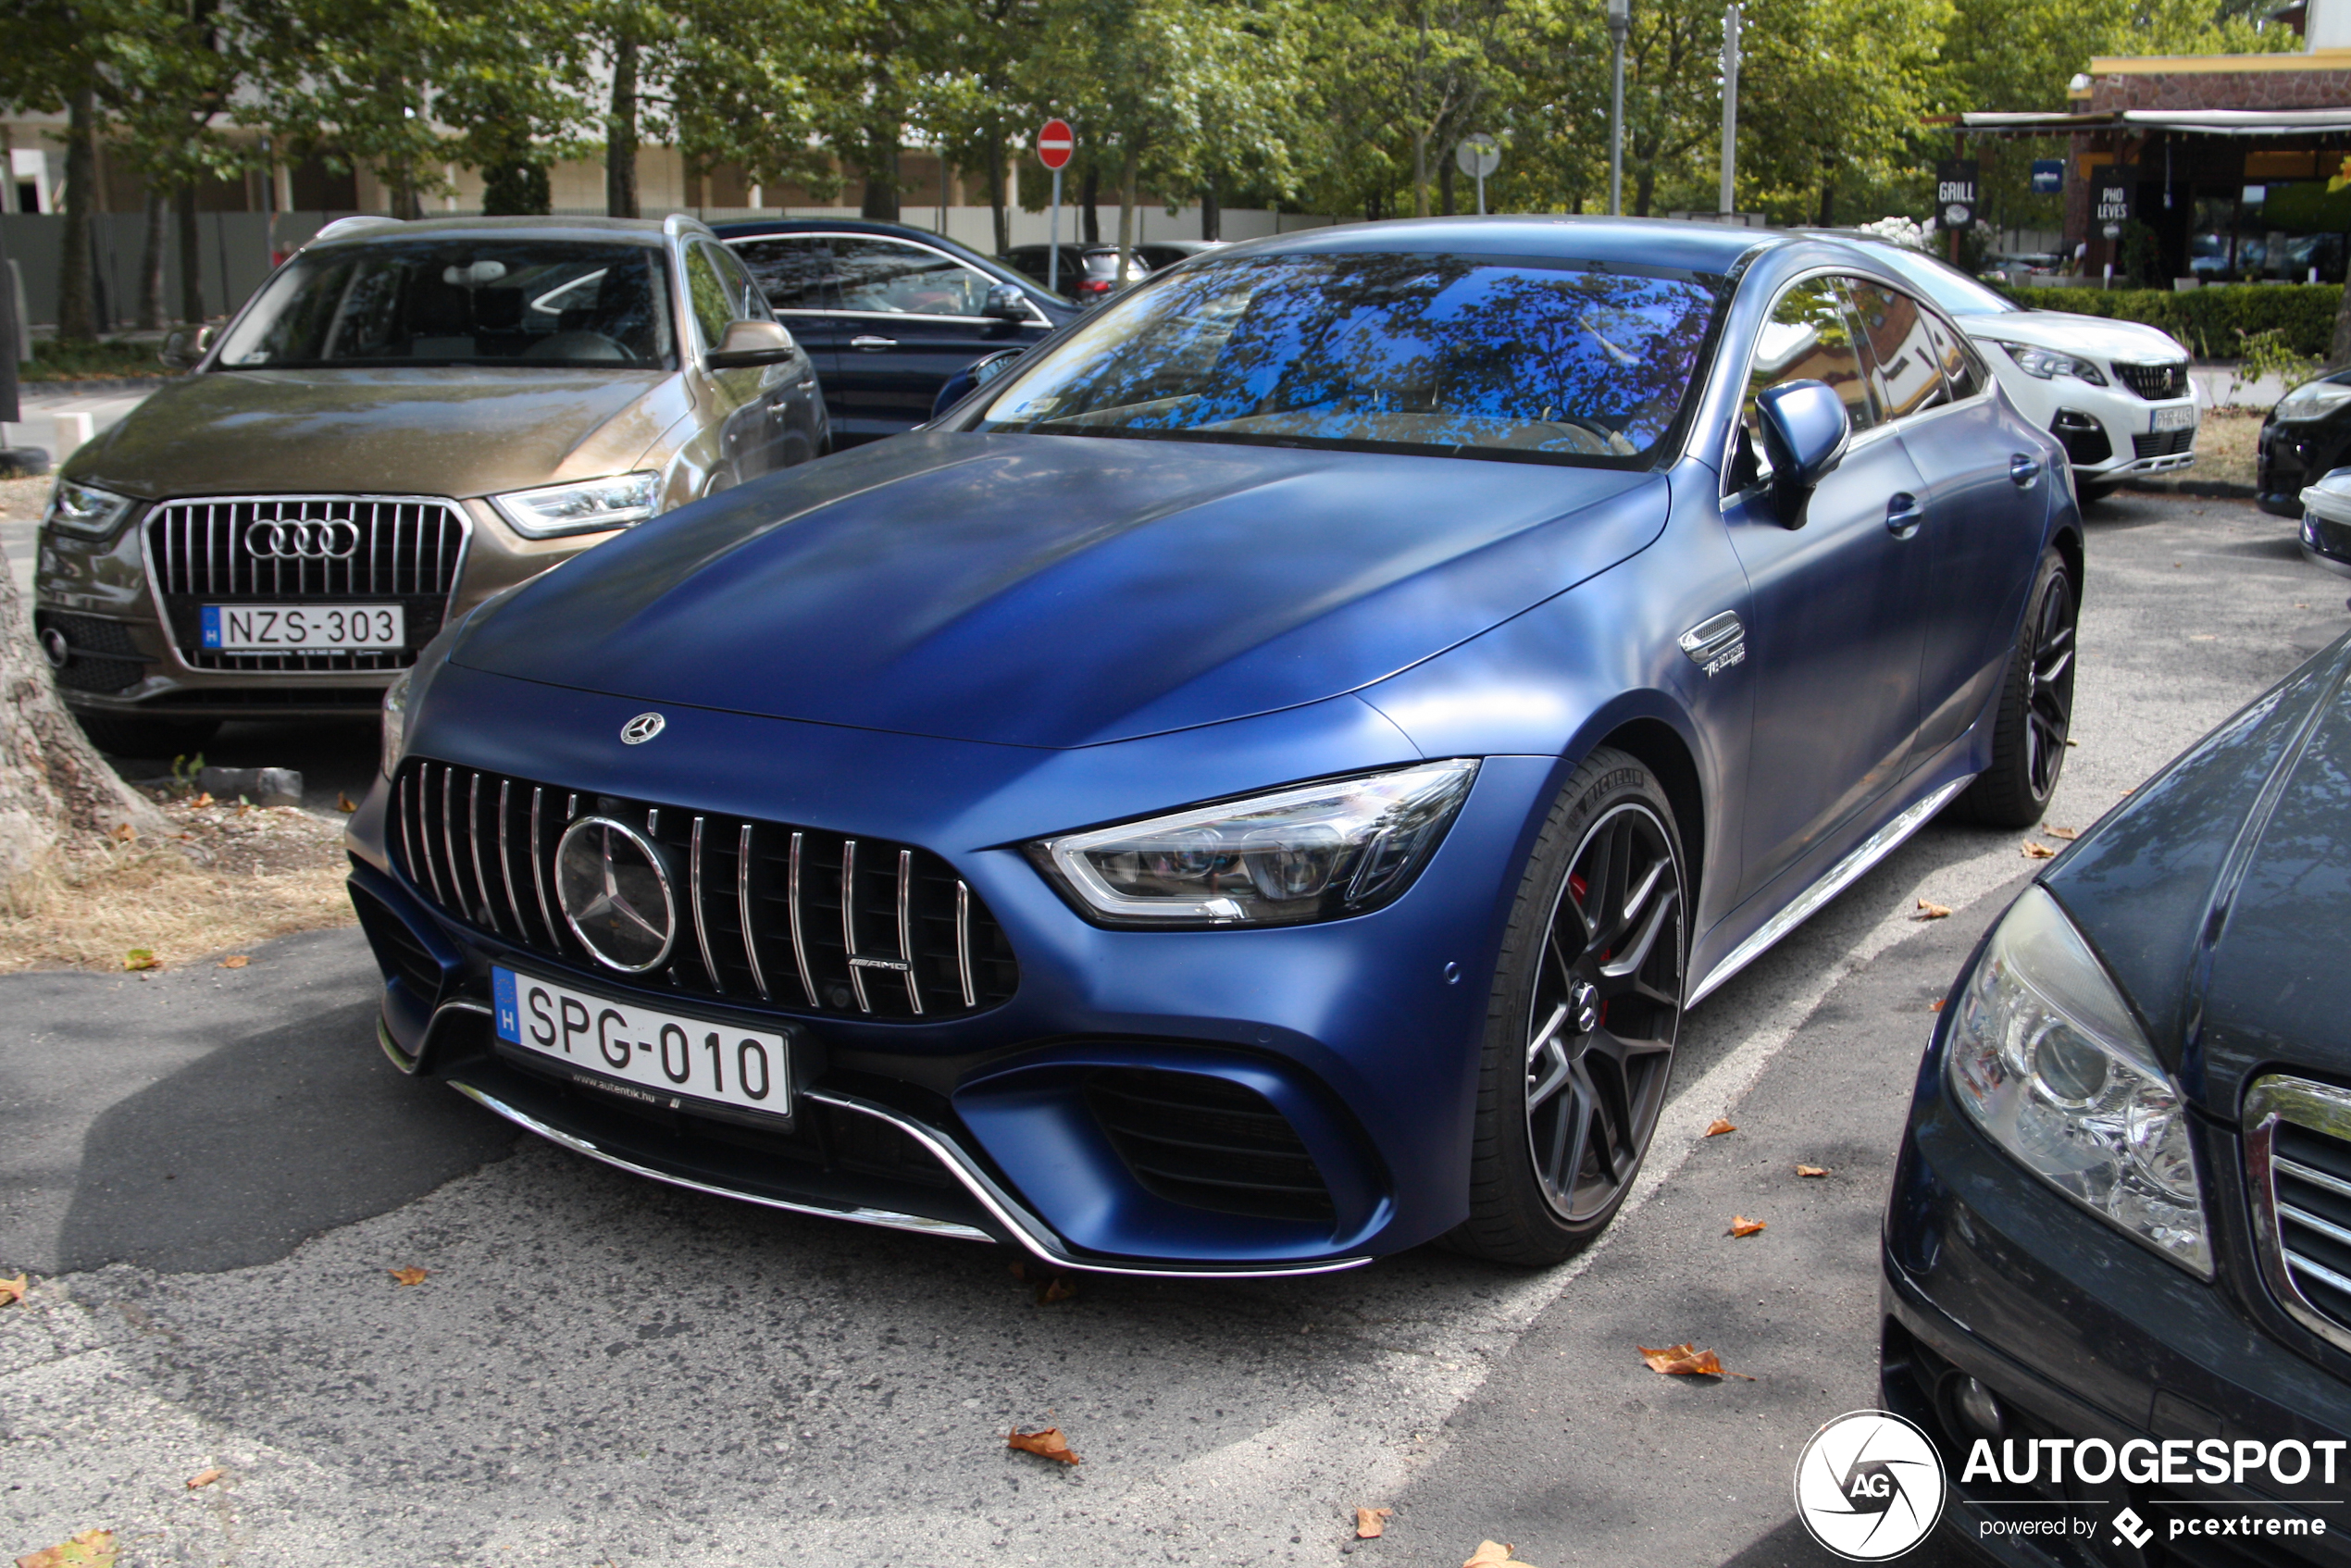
x=54 y=361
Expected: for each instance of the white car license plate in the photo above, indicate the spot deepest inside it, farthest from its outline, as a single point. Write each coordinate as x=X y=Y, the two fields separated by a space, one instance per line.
x=667 y=1058
x=2180 y=419
x=290 y=629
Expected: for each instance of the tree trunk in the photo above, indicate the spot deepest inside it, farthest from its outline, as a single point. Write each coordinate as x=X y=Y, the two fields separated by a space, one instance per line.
x=1127 y=169
x=881 y=195
x=1643 y=189
x=1090 y=192
x=998 y=206
x=1445 y=185
x=151 y=306
x=1420 y=172
x=1828 y=199
x=76 y=265
x=1212 y=212
x=2339 y=352
x=190 y=256
x=620 y=132
x=52 y=782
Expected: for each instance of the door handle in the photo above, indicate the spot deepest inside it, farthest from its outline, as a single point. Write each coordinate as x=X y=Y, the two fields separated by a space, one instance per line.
x=869 y=343
x=2023 y=469
x=1903 y=514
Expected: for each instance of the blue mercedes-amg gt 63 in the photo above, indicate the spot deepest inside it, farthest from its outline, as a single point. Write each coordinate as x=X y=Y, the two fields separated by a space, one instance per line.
x=1256 y=786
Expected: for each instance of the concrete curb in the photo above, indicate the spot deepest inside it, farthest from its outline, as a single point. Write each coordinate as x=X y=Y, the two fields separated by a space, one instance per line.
x=2217 y=490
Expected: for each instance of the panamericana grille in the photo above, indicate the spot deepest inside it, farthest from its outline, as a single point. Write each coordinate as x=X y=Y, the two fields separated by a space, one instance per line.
x=2162 y=443
x=1209 y=1143
x=2156 y=383
x=2298 y=1159
x=767 y=912
x=355 y=549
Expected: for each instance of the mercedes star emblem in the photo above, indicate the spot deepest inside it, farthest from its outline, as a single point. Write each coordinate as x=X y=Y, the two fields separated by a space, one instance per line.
x=642 y=728
x=615 y=891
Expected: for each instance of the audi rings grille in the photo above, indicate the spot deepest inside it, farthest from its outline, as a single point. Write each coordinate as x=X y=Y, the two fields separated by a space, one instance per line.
x=765 y=914
x=298 y=549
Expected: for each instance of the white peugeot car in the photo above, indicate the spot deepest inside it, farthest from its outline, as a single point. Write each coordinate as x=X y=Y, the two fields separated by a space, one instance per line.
x=2117 y=393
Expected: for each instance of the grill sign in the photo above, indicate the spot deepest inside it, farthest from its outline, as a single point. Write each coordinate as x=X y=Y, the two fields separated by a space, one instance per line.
x=1955 y=193
x=2110 y=191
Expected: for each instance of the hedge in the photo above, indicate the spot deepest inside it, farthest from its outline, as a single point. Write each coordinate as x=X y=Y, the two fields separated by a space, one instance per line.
x=2209 y=320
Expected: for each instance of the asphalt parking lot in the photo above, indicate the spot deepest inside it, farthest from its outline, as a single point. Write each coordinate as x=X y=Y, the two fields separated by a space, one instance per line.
x=212 y=1172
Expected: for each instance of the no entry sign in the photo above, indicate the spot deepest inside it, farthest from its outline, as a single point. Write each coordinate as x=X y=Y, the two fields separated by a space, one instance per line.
x=1055 y=142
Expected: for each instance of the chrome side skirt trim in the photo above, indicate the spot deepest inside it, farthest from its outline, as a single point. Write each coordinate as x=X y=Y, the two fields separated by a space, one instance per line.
x=1838 y=877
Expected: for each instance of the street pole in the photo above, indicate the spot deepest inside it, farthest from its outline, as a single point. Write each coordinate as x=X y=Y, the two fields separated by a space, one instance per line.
x=1620 y=18
x=1730 y=110
x=1481 y=196
x=1053 y=250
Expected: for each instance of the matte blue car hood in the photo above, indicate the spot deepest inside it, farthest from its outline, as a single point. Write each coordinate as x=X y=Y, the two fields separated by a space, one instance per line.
x=1046 y=591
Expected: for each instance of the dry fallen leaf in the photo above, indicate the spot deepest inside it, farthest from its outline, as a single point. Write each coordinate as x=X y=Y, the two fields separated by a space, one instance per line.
x=409 y=1275
x=123 y=833
x=235 y=961
x=1742 y=1225
x=2073 y=742
x=1718 y=1127
x=1061 y=1287
x=141 y=958
x=12 y=1290
x=1686 y=1361
x=203 y=799
x=91 y=1549
x=1811 y=1170
x=2068 y=834
x=1489 y=1553
x=205 y=1478
x=344 y=802
x=1046 y=1443
x=2038 y=852
x=1932 y=911
x=1936 y=1005
x=1370 y=1522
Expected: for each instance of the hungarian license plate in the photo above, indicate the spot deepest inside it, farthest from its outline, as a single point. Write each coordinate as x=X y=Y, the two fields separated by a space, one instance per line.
x=304 y=629
x=2180 y=419
x=658 y=1058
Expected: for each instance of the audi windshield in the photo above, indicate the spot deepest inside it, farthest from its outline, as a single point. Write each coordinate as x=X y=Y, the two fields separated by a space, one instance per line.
x=1463 y=355
x=526 y=301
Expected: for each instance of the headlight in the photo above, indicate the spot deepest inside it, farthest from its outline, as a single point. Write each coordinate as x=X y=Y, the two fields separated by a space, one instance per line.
x=591 y=506
x=2044 y=363
x=1314 y=853
x=82 y=508
x=2313 y=400
x=395 y=736
x=2046 y=1058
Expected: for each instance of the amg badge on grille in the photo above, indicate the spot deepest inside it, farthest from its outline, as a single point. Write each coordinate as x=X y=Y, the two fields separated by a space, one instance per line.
x=642 y=728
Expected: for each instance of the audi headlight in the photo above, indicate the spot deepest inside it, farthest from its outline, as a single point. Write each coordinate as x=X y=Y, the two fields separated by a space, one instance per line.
x=591 y=506
x=395 y=735
x=2313 y=400
x=84 y=508
x=2041 y=364
x=2048 y=1060
x=1317 y=851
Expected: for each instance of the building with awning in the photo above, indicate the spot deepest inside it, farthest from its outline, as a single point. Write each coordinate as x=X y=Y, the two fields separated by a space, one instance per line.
x=2225 y=157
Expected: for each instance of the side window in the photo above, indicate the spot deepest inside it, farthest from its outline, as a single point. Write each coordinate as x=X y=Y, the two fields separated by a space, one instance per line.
x=790 y=270
x=1810 y=337
x=1908 y=370
x=742 y=294
x=887 y=274
x=1962 y=368
x=713 y=309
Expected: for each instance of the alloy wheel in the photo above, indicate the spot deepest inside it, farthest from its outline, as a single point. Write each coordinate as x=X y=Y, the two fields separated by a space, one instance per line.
x=1606 y=1012
x=2048 y=706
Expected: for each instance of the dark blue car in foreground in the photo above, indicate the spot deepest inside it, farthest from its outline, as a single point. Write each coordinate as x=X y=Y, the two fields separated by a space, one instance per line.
x=1256 y=787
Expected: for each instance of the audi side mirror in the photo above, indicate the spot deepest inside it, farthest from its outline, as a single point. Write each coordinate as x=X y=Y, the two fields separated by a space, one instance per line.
x=753 y=342
x=1805 y=433
x=185 y=349
x=1006 y=303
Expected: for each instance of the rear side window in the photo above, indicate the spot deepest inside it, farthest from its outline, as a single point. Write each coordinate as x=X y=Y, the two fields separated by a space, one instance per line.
x=1909 y=368
x=1962 y=368
x=789 y=269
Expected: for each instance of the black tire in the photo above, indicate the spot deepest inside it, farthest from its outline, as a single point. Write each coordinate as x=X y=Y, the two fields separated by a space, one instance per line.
x=2036 y=707
x=135 y=735
x=1581 y=1024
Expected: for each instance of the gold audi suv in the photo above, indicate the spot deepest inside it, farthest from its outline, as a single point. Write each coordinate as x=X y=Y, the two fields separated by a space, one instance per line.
x=405 y=418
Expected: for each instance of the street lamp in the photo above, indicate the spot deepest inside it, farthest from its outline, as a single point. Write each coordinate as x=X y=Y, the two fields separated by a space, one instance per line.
x=1620 y=19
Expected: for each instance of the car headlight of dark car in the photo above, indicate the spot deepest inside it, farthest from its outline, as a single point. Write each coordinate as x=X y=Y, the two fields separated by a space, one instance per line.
x=1313 y=852
x=2044 y=364
x=590 y=506
x=395 y=722
x=2046 y=1058
x=2312 y=400
x=84 y=508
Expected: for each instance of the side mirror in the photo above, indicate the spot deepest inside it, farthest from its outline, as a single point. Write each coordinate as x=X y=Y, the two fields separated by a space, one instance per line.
x=1805 y=433
x=753 y=342
x=1006 y=303
x=185 y=349
x=973 y=376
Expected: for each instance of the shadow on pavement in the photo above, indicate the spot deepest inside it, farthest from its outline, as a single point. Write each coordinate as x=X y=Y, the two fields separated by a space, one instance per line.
x=1791 y=1546
x=237 y=1157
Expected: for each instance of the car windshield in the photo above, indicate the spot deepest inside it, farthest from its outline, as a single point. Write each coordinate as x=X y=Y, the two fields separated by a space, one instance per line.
x=1946 y=286
x=1473 y=356
x=451 y=301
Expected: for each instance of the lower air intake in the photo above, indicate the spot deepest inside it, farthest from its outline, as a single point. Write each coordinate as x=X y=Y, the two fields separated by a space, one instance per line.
x=1208 y=1143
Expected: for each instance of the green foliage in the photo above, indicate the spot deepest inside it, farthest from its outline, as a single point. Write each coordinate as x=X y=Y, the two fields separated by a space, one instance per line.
x=2209 y=320
x=515 y=190
x=55 y=361
x=2266 y=354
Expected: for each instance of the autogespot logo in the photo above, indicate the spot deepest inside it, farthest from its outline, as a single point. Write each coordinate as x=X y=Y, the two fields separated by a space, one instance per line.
x=1869 y=1486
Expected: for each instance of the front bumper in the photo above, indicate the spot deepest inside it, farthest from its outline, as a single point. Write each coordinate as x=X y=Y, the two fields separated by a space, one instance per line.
x=2290 y=455
x=2081 y=1334
x=2108 y=435
x=1361 y=1034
